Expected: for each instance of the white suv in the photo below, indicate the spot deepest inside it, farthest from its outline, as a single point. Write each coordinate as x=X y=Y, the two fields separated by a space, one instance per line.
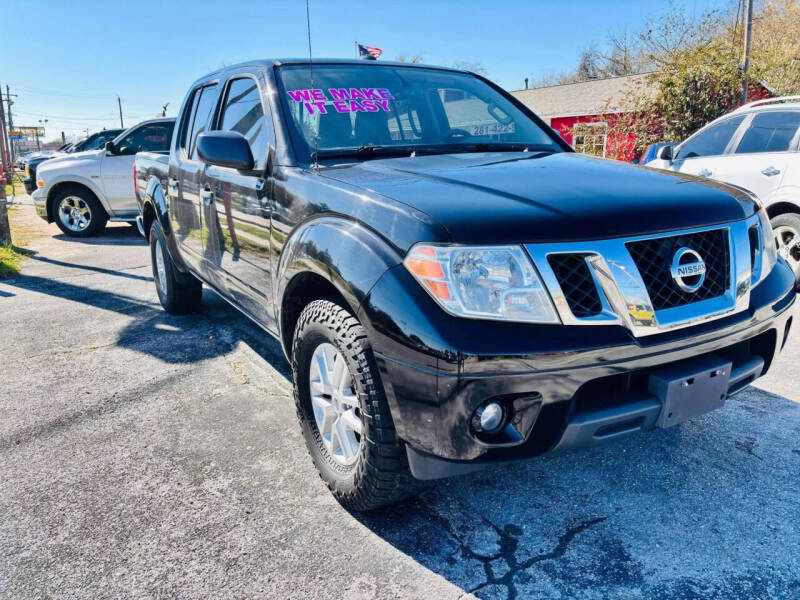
x=81 y=191
x=756 y=147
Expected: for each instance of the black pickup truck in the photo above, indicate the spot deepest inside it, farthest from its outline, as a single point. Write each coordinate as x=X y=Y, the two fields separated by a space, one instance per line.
x=453 y=285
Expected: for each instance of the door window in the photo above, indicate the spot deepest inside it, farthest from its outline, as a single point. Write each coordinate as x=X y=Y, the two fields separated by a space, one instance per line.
x=148 y=138
x=770 y=132
x=203 y=107
x=711 y=141
x=242 y=112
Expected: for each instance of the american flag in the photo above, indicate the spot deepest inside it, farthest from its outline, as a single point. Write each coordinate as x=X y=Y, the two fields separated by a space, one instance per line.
x=369 y=52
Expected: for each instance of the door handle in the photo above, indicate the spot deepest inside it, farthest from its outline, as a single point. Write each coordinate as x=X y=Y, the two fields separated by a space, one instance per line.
x=771 y=171
x=705 y=173
x=207 y=195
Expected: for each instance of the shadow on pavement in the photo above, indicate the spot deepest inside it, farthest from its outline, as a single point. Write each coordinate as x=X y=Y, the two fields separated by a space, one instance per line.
x=119 y=234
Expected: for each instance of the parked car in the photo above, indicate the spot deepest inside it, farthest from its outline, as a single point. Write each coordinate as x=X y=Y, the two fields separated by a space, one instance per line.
x=93 y=142
x=651 y=152
x=82 y=190
x=756 y=147
x=448 y=297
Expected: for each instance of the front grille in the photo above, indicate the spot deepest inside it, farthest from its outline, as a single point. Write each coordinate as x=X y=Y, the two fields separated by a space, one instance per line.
x=577 y=284
x=653 y=258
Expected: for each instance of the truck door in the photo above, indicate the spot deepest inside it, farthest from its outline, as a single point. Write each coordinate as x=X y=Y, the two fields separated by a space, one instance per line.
x=116 y=170
x=238 y=226
x=187 y=176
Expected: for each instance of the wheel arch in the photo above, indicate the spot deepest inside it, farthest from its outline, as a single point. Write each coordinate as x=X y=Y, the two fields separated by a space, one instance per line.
x=328 y=257
x=69 y=184
x=782 y=207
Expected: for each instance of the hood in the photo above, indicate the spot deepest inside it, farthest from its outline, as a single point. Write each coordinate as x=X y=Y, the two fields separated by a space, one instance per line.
x=90 y=156
x=524 y=197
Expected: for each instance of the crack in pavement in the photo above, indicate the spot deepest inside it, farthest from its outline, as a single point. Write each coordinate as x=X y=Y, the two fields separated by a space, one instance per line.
x=508 y=545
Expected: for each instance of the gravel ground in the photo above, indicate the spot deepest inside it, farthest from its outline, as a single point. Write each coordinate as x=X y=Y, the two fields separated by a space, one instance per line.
x=145 y=455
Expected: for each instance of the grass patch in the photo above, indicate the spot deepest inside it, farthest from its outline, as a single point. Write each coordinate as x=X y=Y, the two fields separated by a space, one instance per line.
x=10 y=260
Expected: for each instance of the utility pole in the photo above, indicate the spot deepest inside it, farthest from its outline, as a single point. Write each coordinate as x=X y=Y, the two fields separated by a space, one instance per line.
x=4 y=151
x=119 y=103
x=9 y=95
x=747 y=37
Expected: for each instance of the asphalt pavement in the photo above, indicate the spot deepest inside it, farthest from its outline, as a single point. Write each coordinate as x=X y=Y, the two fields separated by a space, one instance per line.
x=146 y=455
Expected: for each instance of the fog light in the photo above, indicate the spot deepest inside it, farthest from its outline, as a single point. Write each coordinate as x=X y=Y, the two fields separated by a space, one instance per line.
x=491 y=418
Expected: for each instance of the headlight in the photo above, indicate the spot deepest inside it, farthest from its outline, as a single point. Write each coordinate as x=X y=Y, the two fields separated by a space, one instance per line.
x=769 y=253
x=482 y=282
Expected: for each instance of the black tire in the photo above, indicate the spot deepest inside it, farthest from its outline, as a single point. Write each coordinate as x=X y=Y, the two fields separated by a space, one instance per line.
x=790 y=222
x=81 y=198
x=380 y=475
x=179 y=294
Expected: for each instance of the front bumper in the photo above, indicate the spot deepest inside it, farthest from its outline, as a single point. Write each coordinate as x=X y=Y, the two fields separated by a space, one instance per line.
x=39 y=197
x=565 y=384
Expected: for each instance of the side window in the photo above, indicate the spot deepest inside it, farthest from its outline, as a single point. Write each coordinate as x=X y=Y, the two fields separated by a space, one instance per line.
x=187 y=121
x=203 y=105
x=242 y=112
x=148 y=138
x=770 y=132
x=712 y=141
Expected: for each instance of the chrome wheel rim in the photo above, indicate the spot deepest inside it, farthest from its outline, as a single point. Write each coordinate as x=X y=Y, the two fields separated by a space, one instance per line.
x=161 y=270
x=74 y=213
x=335 y=404
x=787 y=240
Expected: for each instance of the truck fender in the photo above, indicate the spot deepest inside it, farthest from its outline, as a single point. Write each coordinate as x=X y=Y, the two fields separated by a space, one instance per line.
x=59 y=181
x=348 y=255
x=155 y=200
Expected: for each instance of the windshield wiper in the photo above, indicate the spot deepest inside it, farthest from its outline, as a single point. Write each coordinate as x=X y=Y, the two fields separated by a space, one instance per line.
x=366 y=151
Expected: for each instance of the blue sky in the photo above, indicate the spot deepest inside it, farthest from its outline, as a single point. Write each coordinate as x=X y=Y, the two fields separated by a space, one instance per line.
x=68 y=60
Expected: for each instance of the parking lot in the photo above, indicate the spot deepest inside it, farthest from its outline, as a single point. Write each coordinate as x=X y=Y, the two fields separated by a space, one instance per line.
x=146 y=455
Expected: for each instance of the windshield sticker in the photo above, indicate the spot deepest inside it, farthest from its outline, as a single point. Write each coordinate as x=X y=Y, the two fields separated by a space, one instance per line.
x=343 y=100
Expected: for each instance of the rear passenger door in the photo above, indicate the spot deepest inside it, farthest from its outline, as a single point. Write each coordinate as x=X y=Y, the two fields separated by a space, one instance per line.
x=187 y=174
x=238 y=226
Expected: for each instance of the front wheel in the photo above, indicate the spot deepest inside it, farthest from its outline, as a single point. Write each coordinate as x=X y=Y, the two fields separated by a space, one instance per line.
x=786 y=228
x=78 y=213
x=343 y=410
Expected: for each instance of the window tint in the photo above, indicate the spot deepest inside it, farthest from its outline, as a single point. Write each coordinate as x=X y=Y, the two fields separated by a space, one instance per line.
x=770 y=132
x=188 y=120
x=148 y=138
x=204 y=108
x=712 y=141
x=242 y=112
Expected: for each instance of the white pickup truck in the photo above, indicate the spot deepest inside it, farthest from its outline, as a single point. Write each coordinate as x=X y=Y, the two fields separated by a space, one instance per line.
x=82 y=191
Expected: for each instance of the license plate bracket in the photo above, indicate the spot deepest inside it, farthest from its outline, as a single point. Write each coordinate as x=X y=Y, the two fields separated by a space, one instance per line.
x=690 y=388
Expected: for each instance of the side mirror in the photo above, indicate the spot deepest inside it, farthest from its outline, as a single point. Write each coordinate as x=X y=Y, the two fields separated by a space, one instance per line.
x=665 y=153
x=225 y=149
x=110 y=147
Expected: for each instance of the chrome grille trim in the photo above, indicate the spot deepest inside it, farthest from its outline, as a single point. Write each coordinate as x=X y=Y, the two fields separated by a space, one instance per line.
x=620 y=285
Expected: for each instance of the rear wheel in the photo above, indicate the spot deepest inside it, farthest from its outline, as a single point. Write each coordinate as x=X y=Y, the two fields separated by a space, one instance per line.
x=343 y=411
x=786 y=228
x=178 y=294
x=78 y=213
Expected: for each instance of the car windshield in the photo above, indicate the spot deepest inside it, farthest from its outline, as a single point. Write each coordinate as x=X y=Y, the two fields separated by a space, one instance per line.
x=378 y=110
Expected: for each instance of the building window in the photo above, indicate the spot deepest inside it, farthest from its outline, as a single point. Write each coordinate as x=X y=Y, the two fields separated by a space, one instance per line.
x=590 y=138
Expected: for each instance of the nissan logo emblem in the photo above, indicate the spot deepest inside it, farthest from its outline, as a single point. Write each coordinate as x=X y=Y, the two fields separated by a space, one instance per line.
x=688 y=270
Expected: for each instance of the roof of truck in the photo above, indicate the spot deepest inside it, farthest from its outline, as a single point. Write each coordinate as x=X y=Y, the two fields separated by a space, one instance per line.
x=274 y=62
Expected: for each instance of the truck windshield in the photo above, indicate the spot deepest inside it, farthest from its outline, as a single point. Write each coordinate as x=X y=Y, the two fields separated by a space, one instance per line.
x=375 y=110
